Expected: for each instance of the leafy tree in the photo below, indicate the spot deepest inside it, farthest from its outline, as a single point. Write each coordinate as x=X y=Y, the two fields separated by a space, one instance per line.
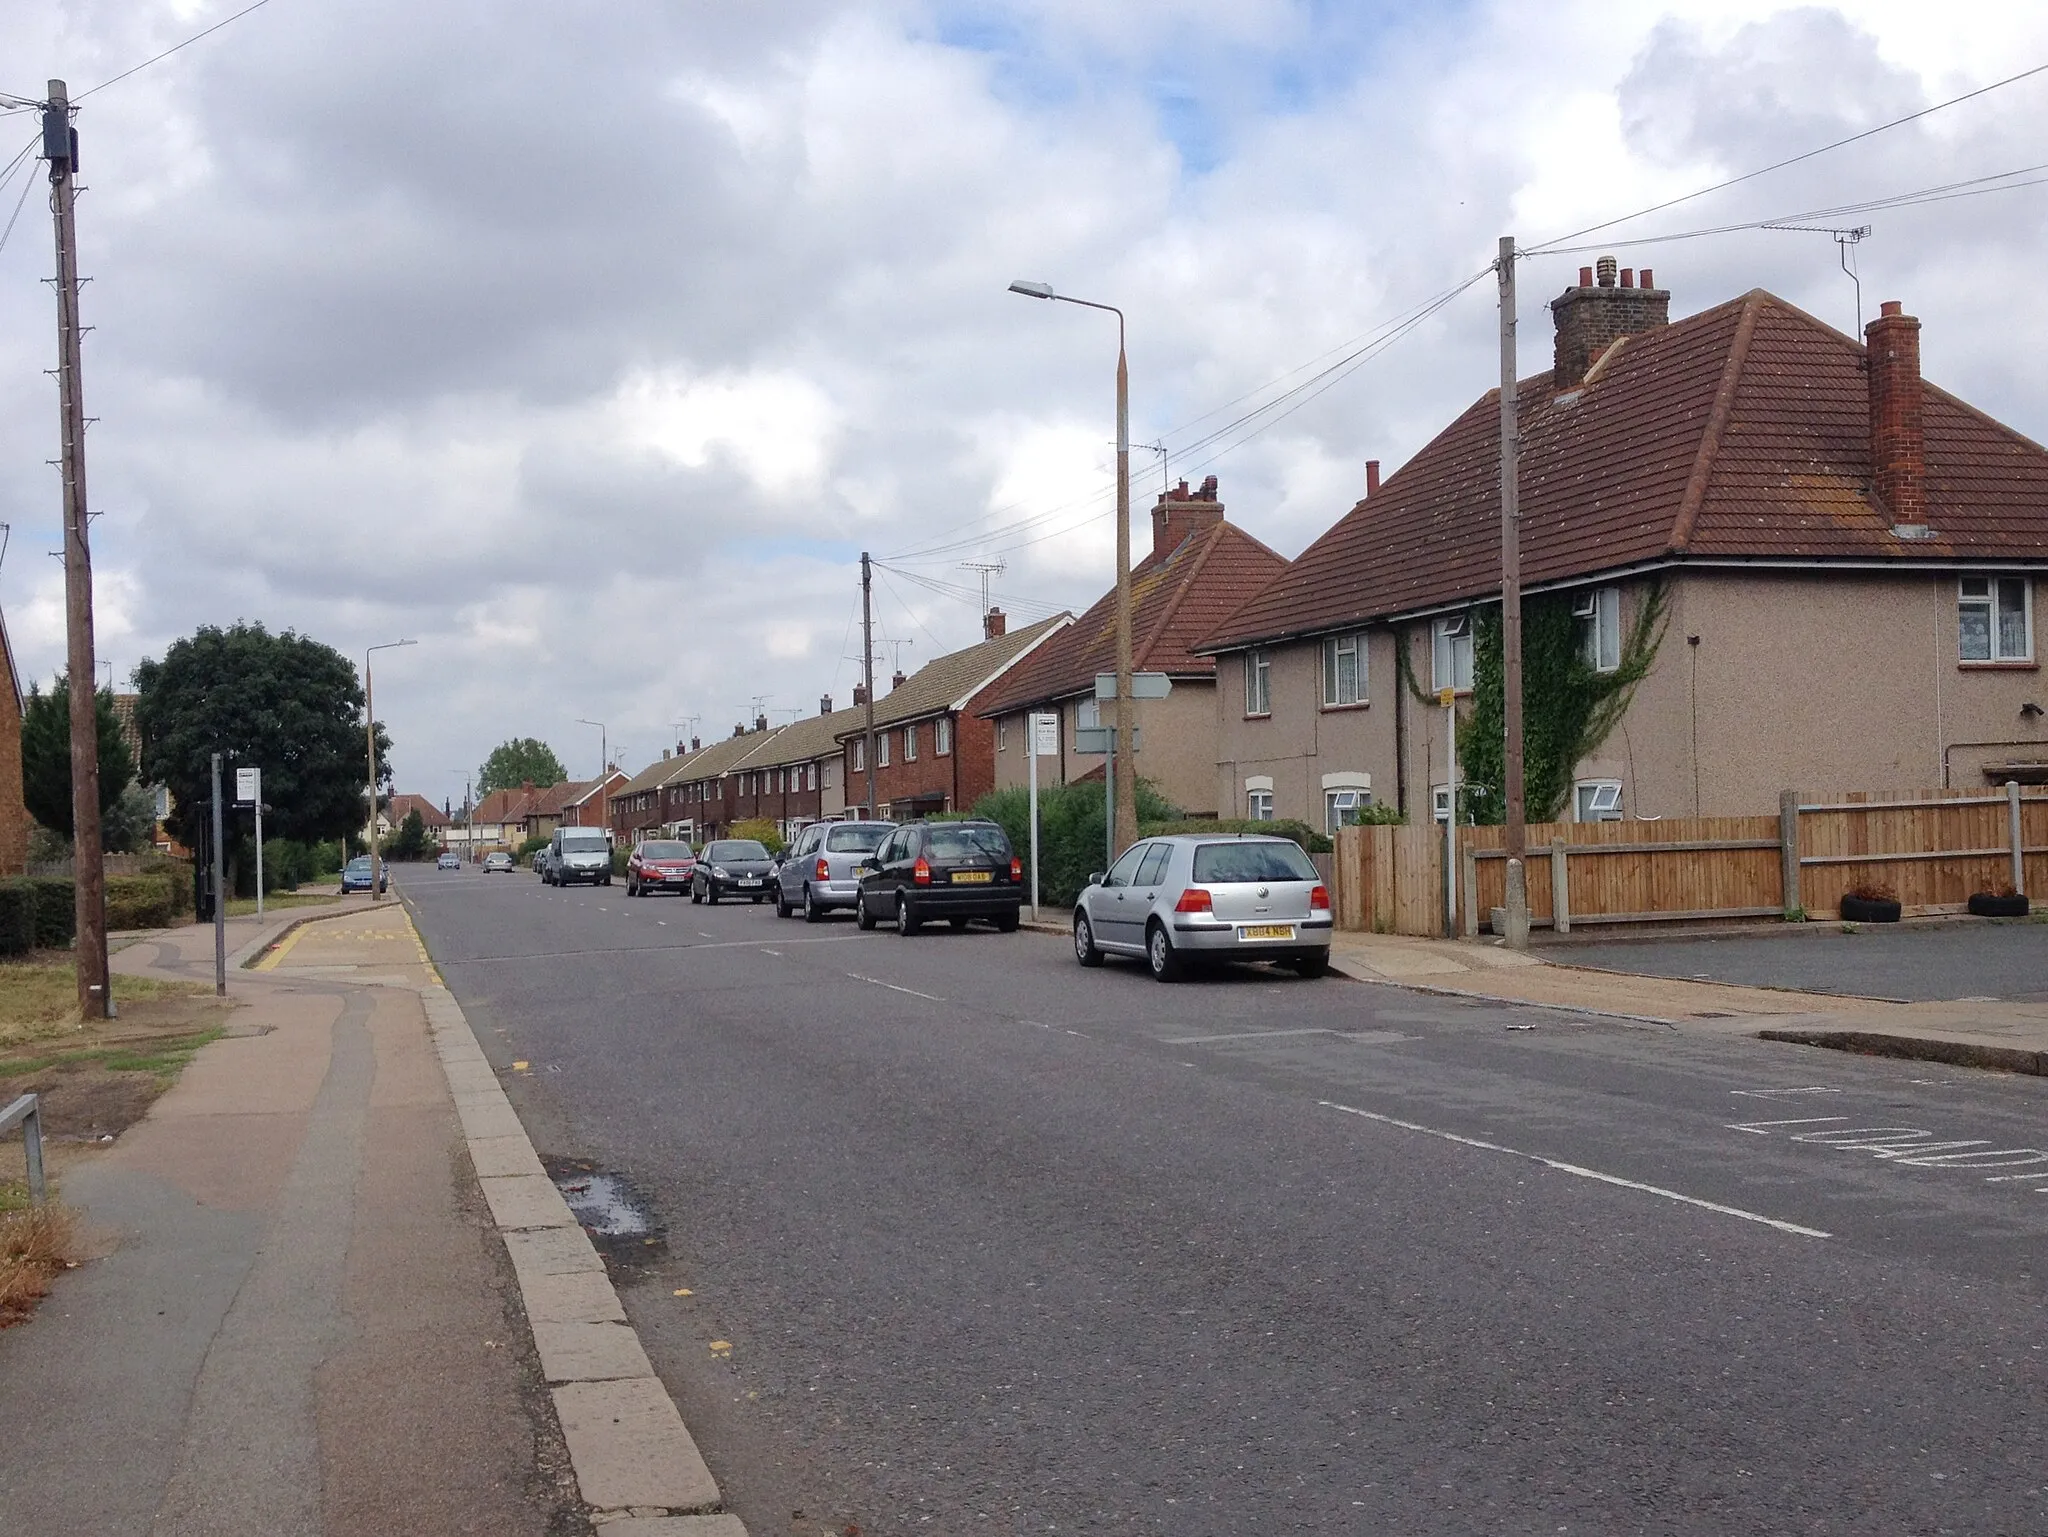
x=411 y=840
x=285 y=703
x=521 y=760
x=46 y=757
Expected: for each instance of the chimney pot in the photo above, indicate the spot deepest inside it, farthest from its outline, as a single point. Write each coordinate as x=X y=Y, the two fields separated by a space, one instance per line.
x=1585 y=277
x=1628 y=277
x=1890 y=307
x=1605 y=268
x=1648 y=279
x=1372 y=478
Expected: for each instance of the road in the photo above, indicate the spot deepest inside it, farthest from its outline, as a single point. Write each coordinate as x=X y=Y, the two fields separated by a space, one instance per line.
x=996 y=1244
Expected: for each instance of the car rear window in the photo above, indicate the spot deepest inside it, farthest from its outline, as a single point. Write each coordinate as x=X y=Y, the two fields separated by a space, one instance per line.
x=738 y=848
x=1224 y=864
x=856 y=840
x=660 y=850
x=967 y=841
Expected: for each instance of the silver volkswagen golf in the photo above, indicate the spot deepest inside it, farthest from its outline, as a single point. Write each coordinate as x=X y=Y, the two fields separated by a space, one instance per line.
x=1192 y=897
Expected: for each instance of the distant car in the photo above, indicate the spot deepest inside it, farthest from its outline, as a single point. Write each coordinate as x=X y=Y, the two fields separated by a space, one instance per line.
x=952 y=870
x=732 y=867
x=497 y=861
x=448 y=862
x=660 y=864
x=355 y=876
x=1194 y=897
x=822 y=870
x=540 y=861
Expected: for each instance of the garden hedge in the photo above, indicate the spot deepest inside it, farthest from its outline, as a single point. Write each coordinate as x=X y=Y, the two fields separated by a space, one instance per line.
x=56 y=914
x=143 y=901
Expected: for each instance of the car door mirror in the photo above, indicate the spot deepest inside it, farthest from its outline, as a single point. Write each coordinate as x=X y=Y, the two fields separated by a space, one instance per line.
x=1095 y=877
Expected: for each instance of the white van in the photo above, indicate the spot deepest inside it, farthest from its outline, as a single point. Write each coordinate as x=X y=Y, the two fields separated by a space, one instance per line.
x=580 y=854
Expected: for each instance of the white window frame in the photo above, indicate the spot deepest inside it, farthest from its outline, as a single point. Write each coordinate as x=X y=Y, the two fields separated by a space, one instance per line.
x=1003 y=734
x=1335 y=649
x=1451 y=652
x=1597 y=800
x=825 y=780
x=882 y=749
x=1087 y=714
x=1599 y=615
x=860 y=753
x=810 y=776
x=1258 y=805
x=1988 y=600
x=1440 y=803
x=1340 y=803
x=910 y=743
x=1258 y=682
x=942 y=736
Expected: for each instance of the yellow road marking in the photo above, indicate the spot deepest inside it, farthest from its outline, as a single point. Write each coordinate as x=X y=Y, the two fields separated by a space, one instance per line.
x=269 y=962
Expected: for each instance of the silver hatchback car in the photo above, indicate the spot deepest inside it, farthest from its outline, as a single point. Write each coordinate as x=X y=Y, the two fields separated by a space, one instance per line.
x=822 y=869
x=1192 y=897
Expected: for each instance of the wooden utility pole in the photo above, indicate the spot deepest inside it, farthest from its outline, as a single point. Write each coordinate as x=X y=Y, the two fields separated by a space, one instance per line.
x=1514 y=835
x=88 y=870
x=867 y=675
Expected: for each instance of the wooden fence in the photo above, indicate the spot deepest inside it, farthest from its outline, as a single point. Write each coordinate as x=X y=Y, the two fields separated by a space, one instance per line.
x=1930 y=849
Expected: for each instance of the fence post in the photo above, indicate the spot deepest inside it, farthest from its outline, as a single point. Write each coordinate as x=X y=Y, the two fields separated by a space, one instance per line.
x=26 y=1112
x=1560 y=888
x=1471 y=872
x=1788 y=852
x=2012 y=822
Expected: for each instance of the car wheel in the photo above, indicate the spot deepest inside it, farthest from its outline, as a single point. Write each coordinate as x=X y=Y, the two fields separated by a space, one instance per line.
x=907 y=922
x=782 y=907
x=710 y=896
x=1007 y=923
x=1084 y=942
x=632 y=887
x=696 y=896
x=1166 y=966
x=957 y=925
x=1309 y=967
x=813 y=913
x=862 y=918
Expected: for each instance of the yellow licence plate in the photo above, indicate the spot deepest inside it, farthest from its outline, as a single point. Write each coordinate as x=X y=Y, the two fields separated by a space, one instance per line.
x=972 y=877
x=1266 y=931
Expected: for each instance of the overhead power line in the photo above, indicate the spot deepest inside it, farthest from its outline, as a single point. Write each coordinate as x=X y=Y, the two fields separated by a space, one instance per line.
x=159 y=58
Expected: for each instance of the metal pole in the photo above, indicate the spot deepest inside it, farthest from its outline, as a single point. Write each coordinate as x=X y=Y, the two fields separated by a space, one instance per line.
x=1031 y=757
x=2012 y=818
x=1125 y=762
x=867 y=675
x=1109 y=797
x=1514 y=838
x=259 y=850
x=220 y=901
x=370 y=732
x=87 y=865
x=1451 y=814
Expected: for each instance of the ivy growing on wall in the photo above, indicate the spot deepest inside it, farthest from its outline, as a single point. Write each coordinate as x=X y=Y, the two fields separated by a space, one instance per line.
x=1568 y=707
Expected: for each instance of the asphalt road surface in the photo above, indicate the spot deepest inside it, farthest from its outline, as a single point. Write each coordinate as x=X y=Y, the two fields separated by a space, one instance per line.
x=975 y=1240
x=1988 y=959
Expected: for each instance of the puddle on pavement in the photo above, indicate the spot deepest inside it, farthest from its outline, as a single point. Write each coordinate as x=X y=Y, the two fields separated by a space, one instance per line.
x=617 y=1217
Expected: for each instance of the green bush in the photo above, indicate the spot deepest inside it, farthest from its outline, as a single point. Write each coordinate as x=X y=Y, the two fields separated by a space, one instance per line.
x=761 y=830
x=146 y=901
x=532 y=846
x=1311 y=841
x=177 y=871
x=619 y=858
x=1071 y=831
x=17 y=916
x=56 y=911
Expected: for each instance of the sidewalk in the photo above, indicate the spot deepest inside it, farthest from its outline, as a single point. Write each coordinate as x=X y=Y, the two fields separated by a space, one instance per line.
x=300 y=1315
x=1964 y=1032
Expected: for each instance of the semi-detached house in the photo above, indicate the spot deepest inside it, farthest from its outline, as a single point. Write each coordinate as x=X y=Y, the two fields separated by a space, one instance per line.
x=1846 y=557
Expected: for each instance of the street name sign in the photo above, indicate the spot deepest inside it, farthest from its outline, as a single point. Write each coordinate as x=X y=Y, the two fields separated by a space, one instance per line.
x=1144 y=685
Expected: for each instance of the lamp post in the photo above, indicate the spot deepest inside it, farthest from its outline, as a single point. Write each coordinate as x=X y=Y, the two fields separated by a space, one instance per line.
x=1124 y=761
x=370 y=731
x=604 y=745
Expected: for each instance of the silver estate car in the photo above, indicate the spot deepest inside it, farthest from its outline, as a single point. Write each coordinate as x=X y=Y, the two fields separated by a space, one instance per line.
x=822 y=869
x=1193 y=897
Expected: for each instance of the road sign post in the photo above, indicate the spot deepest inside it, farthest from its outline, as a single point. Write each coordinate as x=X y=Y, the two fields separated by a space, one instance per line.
x=1044 y=743
x=249 y=790
x=1100 y=741
x=1448 y=698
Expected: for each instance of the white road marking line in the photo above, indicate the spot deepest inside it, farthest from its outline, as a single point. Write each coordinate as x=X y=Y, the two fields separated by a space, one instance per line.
x=1241 y=1035
x=878 y=982
x=1813 y=1088
x=1759 y=1128
x=1582 y=1172
x=776 y=953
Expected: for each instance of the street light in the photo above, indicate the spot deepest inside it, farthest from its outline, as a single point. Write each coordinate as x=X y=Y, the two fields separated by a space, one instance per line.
x=604 y=745
x=370 y=730
x=1124 y=761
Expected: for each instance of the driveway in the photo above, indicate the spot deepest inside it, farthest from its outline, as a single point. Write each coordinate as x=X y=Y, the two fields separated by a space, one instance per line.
x=1911 y=962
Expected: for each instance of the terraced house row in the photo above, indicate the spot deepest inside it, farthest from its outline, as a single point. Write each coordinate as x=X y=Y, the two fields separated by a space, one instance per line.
x=1800 y=562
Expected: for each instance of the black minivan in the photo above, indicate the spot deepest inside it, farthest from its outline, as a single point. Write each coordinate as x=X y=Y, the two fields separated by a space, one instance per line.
x=926 y=871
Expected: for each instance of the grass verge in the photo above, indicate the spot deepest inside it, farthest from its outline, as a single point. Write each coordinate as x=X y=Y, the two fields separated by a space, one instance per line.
x=245 y=907
x=40 y=995
x=35 y=1243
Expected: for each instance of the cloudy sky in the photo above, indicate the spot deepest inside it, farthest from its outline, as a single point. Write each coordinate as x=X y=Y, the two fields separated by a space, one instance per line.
x=589 y=344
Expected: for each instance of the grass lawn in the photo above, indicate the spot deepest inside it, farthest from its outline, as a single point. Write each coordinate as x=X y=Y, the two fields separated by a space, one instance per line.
x=39 y=998
x=245 y=907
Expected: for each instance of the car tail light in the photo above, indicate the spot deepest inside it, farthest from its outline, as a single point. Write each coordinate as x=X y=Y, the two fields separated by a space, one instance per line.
x=824 y=870
x=1016 y=869
x=1319 y=900
x=921 y=872
x=1195 y=899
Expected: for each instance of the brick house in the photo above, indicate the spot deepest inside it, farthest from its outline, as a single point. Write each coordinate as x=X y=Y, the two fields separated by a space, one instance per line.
x=14 y=819
x=798 y=776
x=1845 y=558
x=637 y=806
x=1200 y=568
x=934 y=750
x=590 y=805
x=711 y=790
x=399 y=807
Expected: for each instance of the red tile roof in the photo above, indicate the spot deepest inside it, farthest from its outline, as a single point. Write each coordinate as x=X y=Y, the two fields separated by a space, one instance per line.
x=1740 y=433
x=1177 y=600
x=430 y=814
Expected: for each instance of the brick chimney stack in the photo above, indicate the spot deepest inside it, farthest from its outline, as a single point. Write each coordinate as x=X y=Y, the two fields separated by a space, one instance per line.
x=1607 y=304
x=1181 y=512
x=994 y=623
x=824 y=704
x=898 y=681
x=760 y=723
x=1898 y=450
x=860 y=695
x=1372 y=479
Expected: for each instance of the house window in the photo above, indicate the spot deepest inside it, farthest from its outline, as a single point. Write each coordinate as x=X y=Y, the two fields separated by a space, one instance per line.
x=1343 y=670
x=1451 y=654
x=1087 y=714
x=1259 y=805
x=1440 y=802
x=910 y=744
x=1340 y=807
x=1599 y=618
x=810 y=776
x=1258 y=683
x=860 y=754
x=829 y=781
x=882 y=750
x=1597 y=800
x=1996 y=619
x=942 y=735
x=1002 y=736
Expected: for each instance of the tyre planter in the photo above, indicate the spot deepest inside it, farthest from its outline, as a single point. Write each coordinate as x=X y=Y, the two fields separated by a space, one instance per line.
x=1866 y=910
x=1985 y=904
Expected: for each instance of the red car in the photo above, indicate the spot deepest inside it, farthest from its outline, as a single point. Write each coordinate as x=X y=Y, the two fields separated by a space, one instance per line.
x=660 y=864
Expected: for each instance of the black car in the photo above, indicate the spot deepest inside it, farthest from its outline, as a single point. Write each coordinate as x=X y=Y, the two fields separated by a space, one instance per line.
x=732 y=867
x=952 y=870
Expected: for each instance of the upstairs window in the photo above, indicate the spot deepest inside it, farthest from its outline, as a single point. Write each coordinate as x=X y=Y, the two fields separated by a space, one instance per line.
x=860 y=754
x=1343 y=670
x=1258 y=683
x=1599 y=618
x=1451 y=653
x=1996 y=619
x=910 y=744
x=882 y=750
x=1002 y=735
x=942 y=735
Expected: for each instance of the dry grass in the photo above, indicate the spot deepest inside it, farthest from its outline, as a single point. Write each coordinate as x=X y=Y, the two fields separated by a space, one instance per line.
x=35 y=1243
x=245 y=907
x=39 y=997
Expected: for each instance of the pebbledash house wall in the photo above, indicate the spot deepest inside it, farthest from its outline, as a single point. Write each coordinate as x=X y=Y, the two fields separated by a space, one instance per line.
x=1176 y=754
x=1819 y=681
